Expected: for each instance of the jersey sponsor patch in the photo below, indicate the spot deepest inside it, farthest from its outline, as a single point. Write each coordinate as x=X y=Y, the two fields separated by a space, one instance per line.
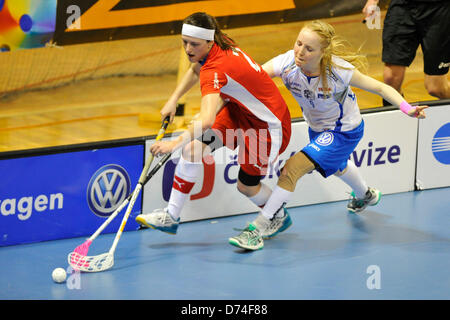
x=325 y=139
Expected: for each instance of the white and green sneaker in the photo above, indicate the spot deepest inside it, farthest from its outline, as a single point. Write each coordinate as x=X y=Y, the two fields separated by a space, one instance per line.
x=277 y=225
x=249 y=239
x=372 y=198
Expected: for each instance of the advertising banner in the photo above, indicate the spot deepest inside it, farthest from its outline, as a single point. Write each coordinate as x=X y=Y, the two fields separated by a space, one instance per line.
x=66 y=195
x=385 y=157
x=26 y=24
x=433 y=154
x=80 y=21
x=33 y=24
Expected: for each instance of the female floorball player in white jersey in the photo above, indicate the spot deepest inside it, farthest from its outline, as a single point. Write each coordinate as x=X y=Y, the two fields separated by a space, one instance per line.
x=319 y=72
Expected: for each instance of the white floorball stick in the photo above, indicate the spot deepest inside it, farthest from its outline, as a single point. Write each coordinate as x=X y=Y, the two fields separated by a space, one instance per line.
x=78 y=259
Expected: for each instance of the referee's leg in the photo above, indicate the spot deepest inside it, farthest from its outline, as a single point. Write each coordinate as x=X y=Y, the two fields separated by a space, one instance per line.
x=438 y=86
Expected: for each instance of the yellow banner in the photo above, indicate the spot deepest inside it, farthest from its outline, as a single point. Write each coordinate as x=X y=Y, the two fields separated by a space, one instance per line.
x=101 y=15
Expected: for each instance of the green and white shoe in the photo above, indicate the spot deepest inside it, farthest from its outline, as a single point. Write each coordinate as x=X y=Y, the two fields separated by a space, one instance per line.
x=372 y=198
x=277 y=225
x=249 y=239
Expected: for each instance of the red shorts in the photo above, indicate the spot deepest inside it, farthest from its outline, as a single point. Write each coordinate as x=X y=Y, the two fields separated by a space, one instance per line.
x=259 y=144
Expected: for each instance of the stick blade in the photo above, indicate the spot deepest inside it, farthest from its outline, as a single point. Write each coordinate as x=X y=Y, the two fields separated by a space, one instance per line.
x=84 y=263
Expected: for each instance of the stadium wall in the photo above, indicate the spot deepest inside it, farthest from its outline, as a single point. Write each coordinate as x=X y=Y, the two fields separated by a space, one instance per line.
x=66 y=192
x=397 y=154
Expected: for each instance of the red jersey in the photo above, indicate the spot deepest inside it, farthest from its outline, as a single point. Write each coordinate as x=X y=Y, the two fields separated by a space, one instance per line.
x=238 y=78
x=254 y=99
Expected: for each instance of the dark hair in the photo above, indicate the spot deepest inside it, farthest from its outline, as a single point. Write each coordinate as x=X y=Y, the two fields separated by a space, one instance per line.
x=204 y=20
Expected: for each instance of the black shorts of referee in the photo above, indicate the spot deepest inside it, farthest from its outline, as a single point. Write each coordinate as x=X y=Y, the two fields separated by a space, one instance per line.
x=410 y=23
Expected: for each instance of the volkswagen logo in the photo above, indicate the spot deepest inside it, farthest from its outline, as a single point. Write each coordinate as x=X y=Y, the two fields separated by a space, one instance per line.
x=325 y=139
x=440 y=146
x=107 y=189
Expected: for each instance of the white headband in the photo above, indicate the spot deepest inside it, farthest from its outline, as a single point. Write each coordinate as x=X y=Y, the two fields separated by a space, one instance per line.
x=197 y=32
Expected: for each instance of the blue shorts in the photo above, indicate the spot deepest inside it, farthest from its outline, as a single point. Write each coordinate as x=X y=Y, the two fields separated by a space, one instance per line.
x=330 y=150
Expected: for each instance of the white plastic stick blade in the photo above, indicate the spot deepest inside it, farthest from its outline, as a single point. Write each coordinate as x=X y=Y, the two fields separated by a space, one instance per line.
x=97 y=263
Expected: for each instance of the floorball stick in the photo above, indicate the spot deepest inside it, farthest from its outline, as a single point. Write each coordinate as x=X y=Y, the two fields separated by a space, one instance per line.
x=78 y=259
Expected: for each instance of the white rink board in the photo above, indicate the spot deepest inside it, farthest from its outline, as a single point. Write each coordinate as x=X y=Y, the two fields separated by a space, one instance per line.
x=433 y=153
x=386 y=155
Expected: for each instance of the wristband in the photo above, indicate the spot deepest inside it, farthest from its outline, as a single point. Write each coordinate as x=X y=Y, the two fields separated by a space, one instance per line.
x=406 y=107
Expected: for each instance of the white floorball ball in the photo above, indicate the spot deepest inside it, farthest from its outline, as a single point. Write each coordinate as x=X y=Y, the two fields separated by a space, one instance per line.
x=59 y=275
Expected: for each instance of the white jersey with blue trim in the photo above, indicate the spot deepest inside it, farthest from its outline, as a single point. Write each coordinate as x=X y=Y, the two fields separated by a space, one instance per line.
x=336 y=109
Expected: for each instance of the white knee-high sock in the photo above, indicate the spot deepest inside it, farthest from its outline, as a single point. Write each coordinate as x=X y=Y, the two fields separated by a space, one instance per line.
x=186 y=174
x=277 y=200
x=262 y=196
x=353 y=178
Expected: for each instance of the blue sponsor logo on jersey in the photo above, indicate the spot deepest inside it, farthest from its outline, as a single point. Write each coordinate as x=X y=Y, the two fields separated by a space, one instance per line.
x=325 y=139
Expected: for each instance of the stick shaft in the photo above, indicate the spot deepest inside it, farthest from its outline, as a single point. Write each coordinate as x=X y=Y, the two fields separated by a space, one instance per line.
x=125 y=217
x=149 y=161
x=110 y=218
x=127 y=200
x=157 y=167
x=142 y=180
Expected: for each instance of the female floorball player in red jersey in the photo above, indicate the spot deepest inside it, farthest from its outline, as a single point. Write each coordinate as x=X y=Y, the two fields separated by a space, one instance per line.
x=240 y=106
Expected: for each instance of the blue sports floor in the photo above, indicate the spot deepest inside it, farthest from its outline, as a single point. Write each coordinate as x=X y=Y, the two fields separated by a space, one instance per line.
x=399 y=249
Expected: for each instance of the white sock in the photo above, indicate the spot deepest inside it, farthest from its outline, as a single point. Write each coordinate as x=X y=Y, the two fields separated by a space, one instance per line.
x=186 y=174
x=274 y=206
x=261 y=223
x=353 y=178
x=262 y=196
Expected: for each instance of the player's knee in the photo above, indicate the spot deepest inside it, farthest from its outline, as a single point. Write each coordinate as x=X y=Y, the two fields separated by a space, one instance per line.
x=247 y=184
x=393 y=76
x=244 y=189
x=435 y=91
x=240 y=187
x=295 y=168
x=437 y=87
x=389 y=78
x=287 y=180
